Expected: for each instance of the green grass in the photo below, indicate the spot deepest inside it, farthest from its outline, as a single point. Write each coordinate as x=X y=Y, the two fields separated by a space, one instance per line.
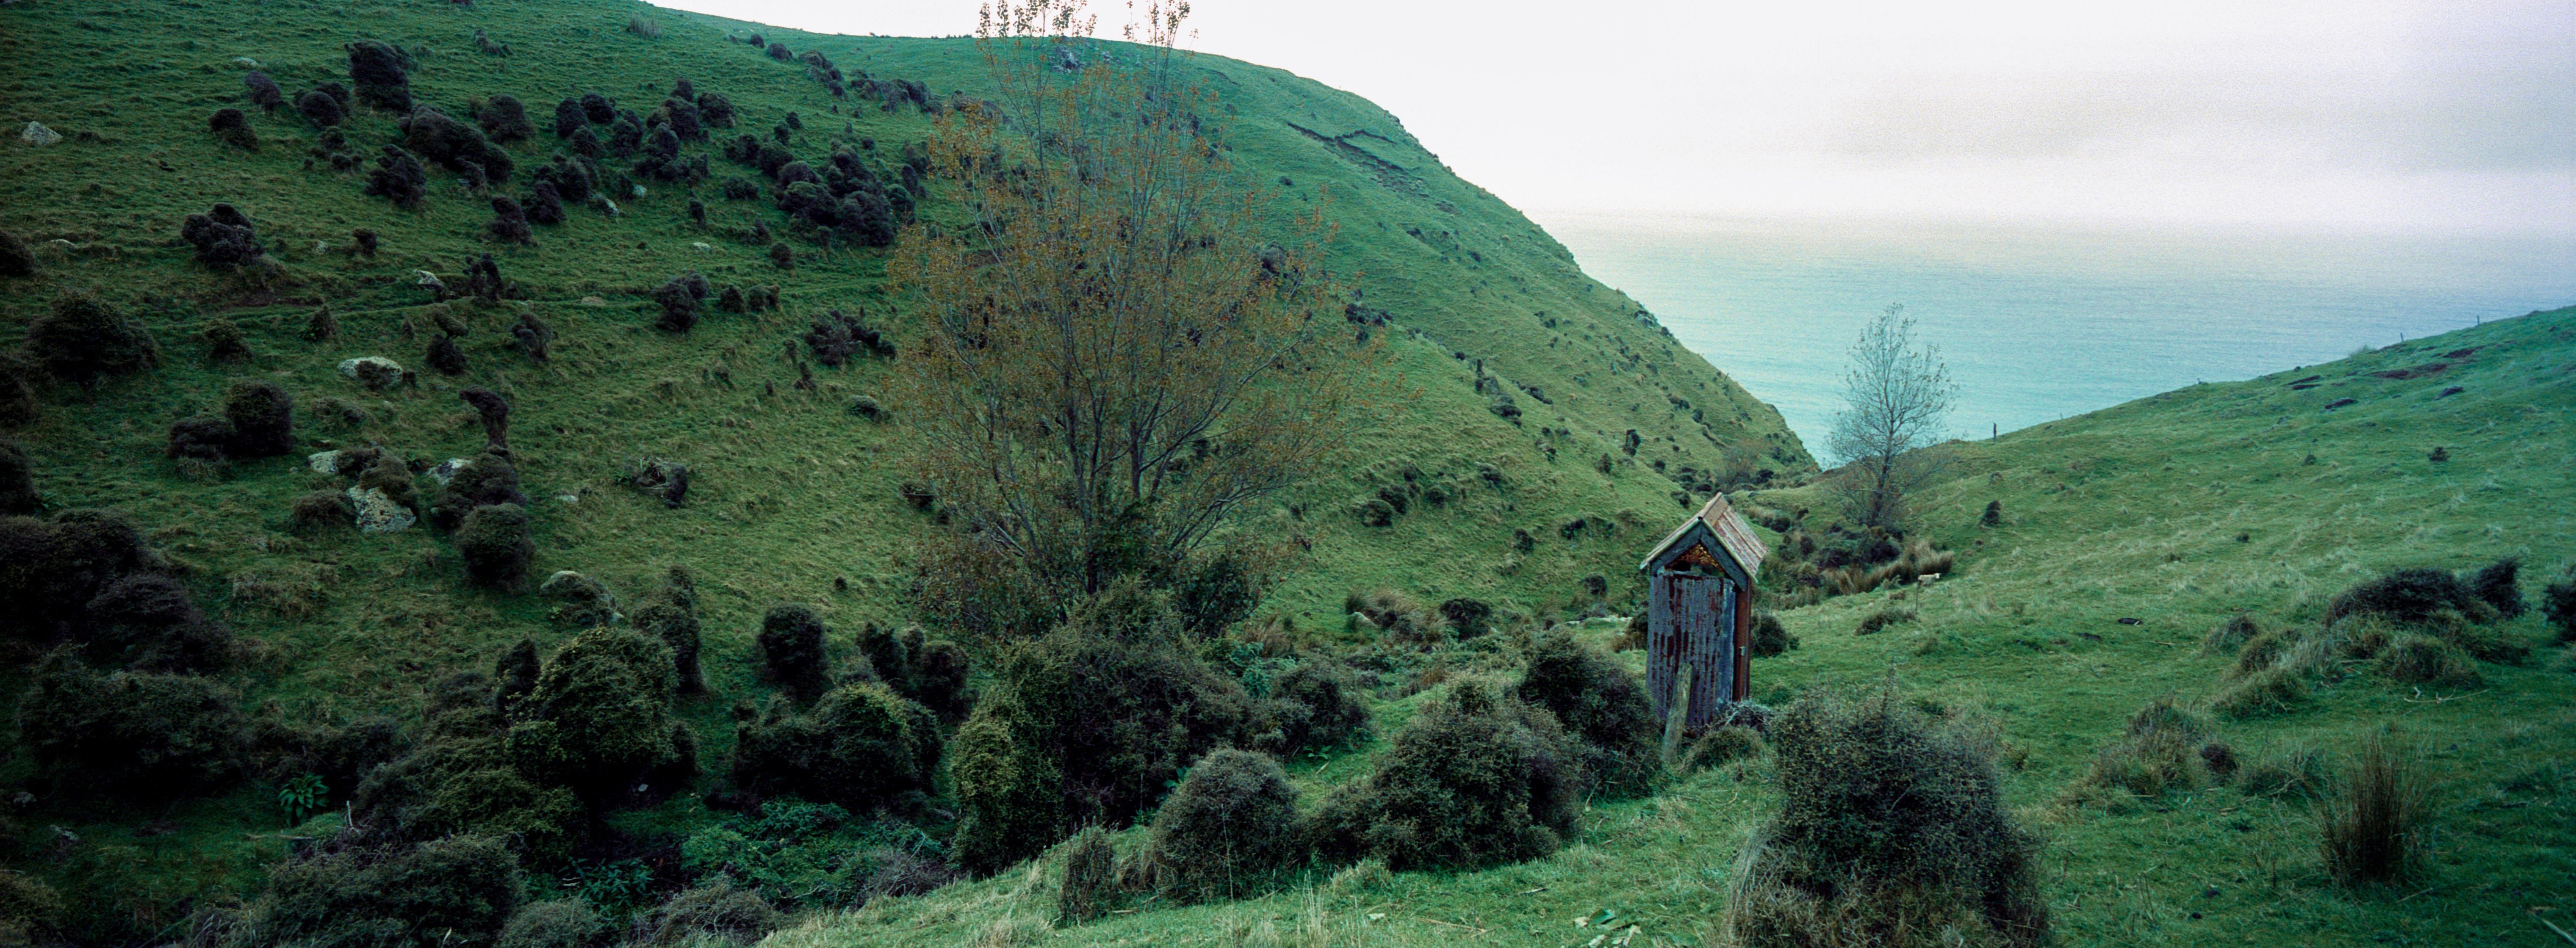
x=2133 y=511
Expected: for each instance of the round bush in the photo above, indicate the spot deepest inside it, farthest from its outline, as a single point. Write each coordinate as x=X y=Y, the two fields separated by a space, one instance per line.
x=438 y=893
x=678 y=629
x=791 y=646
x=1471 y=781
x=711 y=913
x=1725 y=745
x=1317 y=704
x=2496 y=585
x=1599 y=704
x=555 y=923
x=599 y=714
x=491 y=480
x=51 y=569
x=262 y=417
x=81 y=338
x=861 y=746
x=18 y=495
x=2405 y=595
x=1227 y=831
x=377 y=72
x=1770 y=638
x=320 y=109
x=494 y=543
x=199 y=437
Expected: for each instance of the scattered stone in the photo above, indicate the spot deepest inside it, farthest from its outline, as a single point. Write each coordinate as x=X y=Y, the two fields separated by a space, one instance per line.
x=378 y=513
x=247 y=61
x=569 y=498
x=349 y=367
x=593 y=301
x=324 y=462
x=37 y=134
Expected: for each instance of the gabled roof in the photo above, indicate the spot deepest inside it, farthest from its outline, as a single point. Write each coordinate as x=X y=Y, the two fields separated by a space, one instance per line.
x=1722 y=522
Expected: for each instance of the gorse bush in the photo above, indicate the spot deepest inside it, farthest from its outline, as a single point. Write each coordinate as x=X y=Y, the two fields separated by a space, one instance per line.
x=1475 y=779
x=1601 y=706
x=398 y=177
x=233 y=128
x=495 y=545
x=792 y=652
x=486 y=481
x=131 y=735
x=223 y=236
x=1891 y=829
x=50 y=570
x=2405 y=595
x=1085 y=726
x=262 y=416
x=81 y=338
x=2558 y=606
x=378 y=72
x=434 y=894
x=2162 y=752
x=861 y=746
x=1315 y=705
x=1770 y=638
x=1230 y=830
x=2495 y=584
x=599 y=715
x=18 y=496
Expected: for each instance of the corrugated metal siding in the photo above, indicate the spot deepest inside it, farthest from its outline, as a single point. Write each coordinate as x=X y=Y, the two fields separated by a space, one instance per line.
x=1691 y=622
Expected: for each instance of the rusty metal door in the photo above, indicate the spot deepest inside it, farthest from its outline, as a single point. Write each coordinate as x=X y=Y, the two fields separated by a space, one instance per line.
x=1693 y=626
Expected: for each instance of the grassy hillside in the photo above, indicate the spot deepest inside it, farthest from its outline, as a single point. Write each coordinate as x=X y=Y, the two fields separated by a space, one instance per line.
x=2178 y=510
x=795 y=499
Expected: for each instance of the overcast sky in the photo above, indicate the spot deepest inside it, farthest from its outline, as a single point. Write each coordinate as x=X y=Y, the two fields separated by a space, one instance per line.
x=2346 y=115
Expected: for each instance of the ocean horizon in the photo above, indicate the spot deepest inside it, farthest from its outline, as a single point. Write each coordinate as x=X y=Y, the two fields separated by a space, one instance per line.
x=2041 y=322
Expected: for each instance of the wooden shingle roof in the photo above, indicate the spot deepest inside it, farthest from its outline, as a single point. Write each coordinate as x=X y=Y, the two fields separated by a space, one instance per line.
x=1722 y=522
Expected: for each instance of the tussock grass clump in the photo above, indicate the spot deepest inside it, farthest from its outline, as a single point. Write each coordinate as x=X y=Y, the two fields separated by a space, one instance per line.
x=1475 y=779
x=2374 y=825
x=2231 y=635
x=1091 y=883
x=321 y=511
x=1892 y=830
x=2167 y=748
x=1882 y=619
x=2292 y=771
x=1227 y=832
x=554 y=923
x=2414 y=659
x=716 y=914
x=1721 y=746
x=1600 y=705
x=2273 y=690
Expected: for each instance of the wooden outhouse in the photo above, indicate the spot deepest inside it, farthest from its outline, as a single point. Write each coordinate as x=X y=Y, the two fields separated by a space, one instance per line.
x=1700 y=611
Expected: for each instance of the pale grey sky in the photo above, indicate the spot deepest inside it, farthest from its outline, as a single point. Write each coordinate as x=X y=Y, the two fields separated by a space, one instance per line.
x=2345 y=115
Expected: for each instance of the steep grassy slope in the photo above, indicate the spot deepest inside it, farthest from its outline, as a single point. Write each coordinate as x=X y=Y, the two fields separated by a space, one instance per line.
x=794 y=495
x=2179 y=511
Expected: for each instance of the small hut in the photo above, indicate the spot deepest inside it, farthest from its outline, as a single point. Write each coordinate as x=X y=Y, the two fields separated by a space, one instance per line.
x=1700 y=611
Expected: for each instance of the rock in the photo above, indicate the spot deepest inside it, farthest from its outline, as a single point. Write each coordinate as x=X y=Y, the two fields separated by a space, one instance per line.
x=378 y=513
x=593 y=301
x=446 y=470
x=325 y=462
x=349 y=367
x=247 y=61
x=638 y=191
x=39 y=135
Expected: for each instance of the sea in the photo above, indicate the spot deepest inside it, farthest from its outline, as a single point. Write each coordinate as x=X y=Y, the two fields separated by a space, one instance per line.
x=2040 y=322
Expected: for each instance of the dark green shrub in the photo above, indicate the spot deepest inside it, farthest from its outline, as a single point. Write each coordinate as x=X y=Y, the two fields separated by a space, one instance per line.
x=431 y=895
x=15 y=259
x=1316 y=705
x=2496 y=585
x=599 y=714
x=932 y=673
x=717 y=911
x=1227 y=832
x=678 y=629
x=861 y=746
x=320 y=109
x=1469 y=617
x=262 y=91
x=398 y=177
x=2405 y=595
x=494 y=412
x=262 y=417
x=509 y=222
x=377 y=72
x=1880 y=620
x=489 y=481
x=18 y=495
x=555 y=923
x=131 y=735
x=445 y=355
x=29 y=906
x=233 y=128
x=781 y=256
x=81 y=338
x=1084 y=726
x=461 y=778
x=2558 y=606
x=151 y=622
x=504 y=119
x=495 y=545
x=568 y=118
x=2375 y=823
x=390 y=475
x=51 y=569
x=223 y=237
x=1600 y=705
x=598 y=109
x=1473 y=780
x=224 y=340
x=199 y=437
x=1891 y=827
x=18 y=378
x=1770 y=638
x=792 y=653
x=1090 y=878
x=679 y=301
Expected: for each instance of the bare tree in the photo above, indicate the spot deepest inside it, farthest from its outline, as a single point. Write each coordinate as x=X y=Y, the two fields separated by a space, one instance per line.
x=1116 y=361
x=1895 y=397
